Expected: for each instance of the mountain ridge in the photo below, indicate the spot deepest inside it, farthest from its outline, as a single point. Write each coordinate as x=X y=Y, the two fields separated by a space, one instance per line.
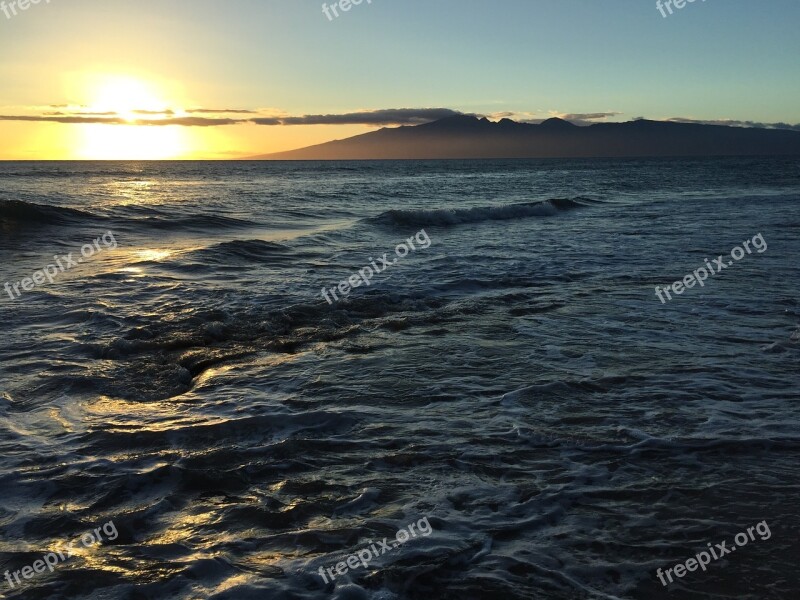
x=471 y=137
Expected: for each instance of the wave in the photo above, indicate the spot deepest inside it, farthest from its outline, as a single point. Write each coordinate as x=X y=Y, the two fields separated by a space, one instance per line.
x=250 y=250
x=43 y=171
x=195 y=222
x=479 y=214
x=19 y=212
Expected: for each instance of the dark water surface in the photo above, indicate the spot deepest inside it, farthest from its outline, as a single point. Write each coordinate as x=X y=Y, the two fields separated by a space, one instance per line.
x=517 y=382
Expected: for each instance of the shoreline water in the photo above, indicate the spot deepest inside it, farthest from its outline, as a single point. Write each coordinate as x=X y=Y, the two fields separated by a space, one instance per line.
x=516 y=383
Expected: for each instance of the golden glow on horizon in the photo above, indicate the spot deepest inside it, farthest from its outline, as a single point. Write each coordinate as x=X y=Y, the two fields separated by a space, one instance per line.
x=130 y=142
x=97 y=94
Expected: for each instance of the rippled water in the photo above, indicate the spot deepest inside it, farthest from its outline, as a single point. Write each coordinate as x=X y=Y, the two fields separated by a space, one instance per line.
x=517 y=383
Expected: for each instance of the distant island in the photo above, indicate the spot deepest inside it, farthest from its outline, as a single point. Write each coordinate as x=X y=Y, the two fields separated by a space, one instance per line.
x=465 y=137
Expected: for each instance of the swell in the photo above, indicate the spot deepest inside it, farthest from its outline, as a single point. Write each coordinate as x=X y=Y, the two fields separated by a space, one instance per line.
x=20 y=213
x=28 y=213
x=243 y=250
x=67 y=171
x=459 y=216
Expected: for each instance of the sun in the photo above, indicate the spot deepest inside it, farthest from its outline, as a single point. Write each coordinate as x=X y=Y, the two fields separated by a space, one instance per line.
x=133 y=100
x=127 y=97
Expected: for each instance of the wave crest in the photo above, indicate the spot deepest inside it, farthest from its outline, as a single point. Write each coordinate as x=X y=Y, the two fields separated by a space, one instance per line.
x=479 y=214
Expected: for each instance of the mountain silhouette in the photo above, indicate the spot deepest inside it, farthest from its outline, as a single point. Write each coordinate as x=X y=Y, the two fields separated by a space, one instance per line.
x=464 y=136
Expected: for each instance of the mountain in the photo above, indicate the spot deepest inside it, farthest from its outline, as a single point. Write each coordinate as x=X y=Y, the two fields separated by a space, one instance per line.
x=465 y=136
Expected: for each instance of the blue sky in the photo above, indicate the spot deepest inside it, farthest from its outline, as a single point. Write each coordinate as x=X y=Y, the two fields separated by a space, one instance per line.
x=710 y=60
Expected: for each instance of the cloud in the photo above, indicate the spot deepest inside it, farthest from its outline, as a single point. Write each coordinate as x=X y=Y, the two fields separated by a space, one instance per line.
x=394 y=116
x=80 y=114
x=267 y=121
x=736 y=123
x=189 y=122
x=585 y=119
x=589 y=116
x=532 y=118
x=72 y=120
x=152 y=112
x=519 y=117
x=384 y=117
x=117 y=120
x=223 y=111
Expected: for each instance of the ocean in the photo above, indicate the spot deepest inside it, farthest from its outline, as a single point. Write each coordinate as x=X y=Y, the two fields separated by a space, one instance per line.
x=507 y=379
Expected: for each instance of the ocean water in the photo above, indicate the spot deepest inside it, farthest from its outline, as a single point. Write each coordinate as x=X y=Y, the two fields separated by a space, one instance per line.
x=513 y=381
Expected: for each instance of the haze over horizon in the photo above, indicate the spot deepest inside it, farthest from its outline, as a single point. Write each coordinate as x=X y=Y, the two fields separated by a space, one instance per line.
x=134 y=81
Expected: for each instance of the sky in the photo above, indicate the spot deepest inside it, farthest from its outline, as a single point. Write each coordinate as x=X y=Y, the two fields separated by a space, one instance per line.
x=221 y=79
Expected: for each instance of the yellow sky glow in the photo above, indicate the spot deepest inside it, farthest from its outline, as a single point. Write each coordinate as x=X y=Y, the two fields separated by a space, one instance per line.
x=99 y=94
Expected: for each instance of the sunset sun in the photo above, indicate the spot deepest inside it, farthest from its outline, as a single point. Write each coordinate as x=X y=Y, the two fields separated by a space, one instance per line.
x=133 y=100
x=127 y=97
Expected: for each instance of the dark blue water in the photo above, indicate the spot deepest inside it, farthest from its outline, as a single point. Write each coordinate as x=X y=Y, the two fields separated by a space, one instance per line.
x=514 y=378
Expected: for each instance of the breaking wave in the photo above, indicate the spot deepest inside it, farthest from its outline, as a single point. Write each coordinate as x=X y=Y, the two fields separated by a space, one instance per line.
x=479 y=214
